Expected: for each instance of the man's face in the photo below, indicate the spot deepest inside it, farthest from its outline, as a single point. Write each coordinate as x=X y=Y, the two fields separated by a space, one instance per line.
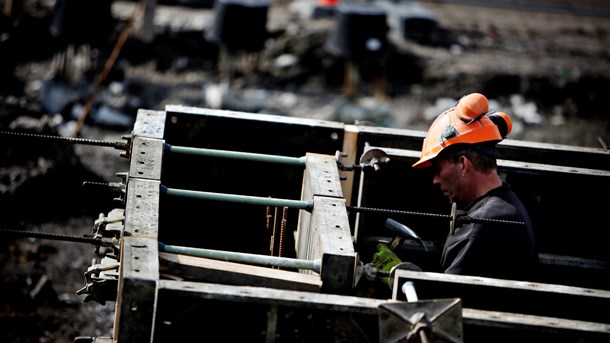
x=447 y=176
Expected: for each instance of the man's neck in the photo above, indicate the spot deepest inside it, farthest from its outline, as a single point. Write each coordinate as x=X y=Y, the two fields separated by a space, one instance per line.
x=482 y=183
x=487 y=182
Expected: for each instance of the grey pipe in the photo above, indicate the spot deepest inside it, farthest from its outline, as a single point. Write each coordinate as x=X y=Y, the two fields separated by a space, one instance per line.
x=297 y=161
x=232 y=256
x=242 y=199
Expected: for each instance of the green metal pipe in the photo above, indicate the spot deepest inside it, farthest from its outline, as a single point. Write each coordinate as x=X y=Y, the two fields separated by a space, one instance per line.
x=242 y=199
x=232 y=256
x=297 y=161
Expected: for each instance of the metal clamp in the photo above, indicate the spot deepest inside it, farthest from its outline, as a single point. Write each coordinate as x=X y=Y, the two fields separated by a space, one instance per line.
x=107 y=230
x=100 y=283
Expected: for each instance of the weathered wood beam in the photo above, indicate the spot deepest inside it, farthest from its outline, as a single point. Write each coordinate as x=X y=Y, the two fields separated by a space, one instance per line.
x=491 y=294
x=325 y=232
x=190 y=268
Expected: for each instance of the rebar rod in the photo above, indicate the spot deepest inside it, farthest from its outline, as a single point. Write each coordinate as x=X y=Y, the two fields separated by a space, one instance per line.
x=51 y=236
x=71 y=140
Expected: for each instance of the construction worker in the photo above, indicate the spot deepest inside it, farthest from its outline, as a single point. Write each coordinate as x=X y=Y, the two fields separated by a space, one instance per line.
x=460 y=149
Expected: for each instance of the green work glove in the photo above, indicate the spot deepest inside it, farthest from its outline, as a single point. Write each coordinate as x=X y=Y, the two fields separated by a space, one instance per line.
x=385 y=259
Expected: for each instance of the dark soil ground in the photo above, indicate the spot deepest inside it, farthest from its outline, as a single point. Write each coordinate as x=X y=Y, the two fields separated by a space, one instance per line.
x=548 y=67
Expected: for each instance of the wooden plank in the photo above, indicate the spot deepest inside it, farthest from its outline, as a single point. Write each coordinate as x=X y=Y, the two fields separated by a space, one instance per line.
x=474 y=320
x=411 y=156
x=149 y=124
x=213 y=271
x=247 y=116
x=249 y=294
x=137 y=288
x=325 y=234
x=555 y=154
x=574 y=262
x=321 y=177
x=139 y=270
x=531 y=323
x=142 y=208
x=350 y=146
x=146 y=158
x=509 y=149
x=542 y=299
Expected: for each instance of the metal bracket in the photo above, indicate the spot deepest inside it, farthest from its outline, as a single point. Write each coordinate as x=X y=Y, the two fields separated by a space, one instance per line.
x=339 y=155
x=107 y=230
x=374 y=158
x=120 y=187
x=101 y=281
x=126 y=147
x=437 y=320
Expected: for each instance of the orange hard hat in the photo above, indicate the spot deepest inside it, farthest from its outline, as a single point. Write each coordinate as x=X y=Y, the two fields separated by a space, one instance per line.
x=469 y=122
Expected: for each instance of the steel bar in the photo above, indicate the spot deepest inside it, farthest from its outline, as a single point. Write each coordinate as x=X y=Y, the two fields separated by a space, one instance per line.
x=71 y=140
x=242 y=199
x=232 y=256
x=51 y=236
x=460 y=218
x=297 y=161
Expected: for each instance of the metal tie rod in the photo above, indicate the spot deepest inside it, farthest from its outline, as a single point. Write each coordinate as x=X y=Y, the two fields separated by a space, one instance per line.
x=242 y=199
x=232 y=256
x=297 y=161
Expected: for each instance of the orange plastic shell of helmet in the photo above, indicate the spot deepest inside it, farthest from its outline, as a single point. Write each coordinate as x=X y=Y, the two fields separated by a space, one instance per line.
x=472 y=105
x=455 y=126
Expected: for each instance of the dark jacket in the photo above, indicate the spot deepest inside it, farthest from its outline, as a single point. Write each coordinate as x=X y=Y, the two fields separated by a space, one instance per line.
x=490 y=249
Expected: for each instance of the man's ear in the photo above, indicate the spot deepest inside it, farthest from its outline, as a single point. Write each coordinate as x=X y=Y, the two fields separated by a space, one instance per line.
x=465 y=162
